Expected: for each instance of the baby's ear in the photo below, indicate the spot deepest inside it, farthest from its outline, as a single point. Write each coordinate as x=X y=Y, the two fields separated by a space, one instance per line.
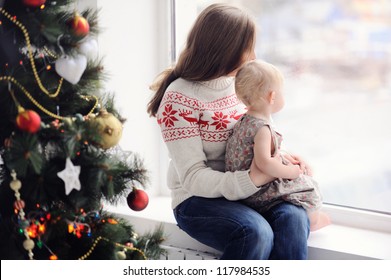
x=271 y=96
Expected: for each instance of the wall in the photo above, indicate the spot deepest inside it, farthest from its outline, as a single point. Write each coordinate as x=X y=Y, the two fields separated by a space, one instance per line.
x=134 y=44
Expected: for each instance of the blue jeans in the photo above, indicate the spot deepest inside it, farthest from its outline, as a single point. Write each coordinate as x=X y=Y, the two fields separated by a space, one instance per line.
x=241 y=233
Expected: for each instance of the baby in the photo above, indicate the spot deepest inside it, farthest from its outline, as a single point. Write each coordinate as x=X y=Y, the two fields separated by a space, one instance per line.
x=259 y=86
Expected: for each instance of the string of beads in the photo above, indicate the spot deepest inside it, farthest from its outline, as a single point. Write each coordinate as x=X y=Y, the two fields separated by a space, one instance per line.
x=19 y=204
x=36 y=103
x=30 y=54
x=39 y=82
x=100 y=238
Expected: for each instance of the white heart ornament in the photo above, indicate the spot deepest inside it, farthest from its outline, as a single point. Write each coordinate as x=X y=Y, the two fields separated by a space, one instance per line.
x=89 y=48
x=71 y=68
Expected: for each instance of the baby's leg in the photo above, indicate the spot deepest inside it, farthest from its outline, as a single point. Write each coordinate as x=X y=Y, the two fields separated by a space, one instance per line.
x=318 y=220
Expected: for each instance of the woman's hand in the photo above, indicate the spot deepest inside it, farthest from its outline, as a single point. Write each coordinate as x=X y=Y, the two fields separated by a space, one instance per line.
x=258 y=177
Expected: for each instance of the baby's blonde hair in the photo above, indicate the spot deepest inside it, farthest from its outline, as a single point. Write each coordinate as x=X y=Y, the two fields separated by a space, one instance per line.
x=255 y=79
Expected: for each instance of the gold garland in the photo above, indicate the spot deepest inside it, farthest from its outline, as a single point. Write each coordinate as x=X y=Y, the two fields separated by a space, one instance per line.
x=50 y=53
x=30 y=55
x=86 y=255
x=36 y=103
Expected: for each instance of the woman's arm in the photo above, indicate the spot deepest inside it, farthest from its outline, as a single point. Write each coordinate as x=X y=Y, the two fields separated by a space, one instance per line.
x=264 y=160
x=189 y=167
x=200 y=180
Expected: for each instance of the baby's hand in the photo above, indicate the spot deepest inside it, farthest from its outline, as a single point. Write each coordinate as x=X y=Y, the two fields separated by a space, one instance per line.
x=296 y=160
x=284 y=160
x=295 y=171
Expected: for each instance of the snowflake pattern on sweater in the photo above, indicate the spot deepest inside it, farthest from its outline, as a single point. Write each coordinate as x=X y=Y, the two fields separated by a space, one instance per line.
x=185 y=117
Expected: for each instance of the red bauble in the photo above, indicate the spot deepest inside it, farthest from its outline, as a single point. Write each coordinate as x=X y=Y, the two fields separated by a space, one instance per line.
x=137 y=200
x=19 y=204
x=79 y=25
x=34 y=3
x=28 y=120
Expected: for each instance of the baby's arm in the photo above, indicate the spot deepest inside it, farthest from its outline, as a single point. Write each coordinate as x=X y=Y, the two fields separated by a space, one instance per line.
x=264 y=160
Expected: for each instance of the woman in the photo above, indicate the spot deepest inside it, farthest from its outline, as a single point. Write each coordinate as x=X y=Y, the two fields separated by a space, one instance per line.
x=196 y=107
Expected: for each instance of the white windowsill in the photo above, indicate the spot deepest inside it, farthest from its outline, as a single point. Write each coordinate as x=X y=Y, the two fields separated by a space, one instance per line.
x=344 y=239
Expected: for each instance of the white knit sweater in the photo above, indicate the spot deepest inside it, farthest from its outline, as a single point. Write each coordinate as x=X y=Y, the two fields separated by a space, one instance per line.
x=196 y=119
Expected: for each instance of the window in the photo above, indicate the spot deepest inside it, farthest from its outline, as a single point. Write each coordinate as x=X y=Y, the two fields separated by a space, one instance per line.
x=336 y=57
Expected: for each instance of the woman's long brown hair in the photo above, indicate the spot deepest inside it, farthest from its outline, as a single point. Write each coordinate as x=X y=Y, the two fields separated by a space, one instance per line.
x=215 y=46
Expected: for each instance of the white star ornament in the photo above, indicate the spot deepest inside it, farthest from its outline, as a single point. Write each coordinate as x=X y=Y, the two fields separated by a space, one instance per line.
x=70 y=176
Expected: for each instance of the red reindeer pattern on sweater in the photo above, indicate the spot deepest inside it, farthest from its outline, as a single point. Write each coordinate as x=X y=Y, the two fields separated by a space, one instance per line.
x=184 y=117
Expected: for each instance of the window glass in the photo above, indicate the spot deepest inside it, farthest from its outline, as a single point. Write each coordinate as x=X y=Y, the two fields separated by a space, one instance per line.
x=336 y=58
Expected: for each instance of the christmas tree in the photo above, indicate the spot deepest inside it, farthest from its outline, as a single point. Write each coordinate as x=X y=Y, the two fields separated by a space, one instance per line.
x=59 y=155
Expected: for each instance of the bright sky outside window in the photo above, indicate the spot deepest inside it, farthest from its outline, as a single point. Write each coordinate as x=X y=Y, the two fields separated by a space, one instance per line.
x=336 y=57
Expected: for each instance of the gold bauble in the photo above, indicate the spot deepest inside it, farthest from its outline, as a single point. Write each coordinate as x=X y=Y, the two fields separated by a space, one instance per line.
x=110 y=129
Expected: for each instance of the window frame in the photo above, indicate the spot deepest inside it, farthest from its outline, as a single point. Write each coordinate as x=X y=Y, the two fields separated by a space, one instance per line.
x=339 y=214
